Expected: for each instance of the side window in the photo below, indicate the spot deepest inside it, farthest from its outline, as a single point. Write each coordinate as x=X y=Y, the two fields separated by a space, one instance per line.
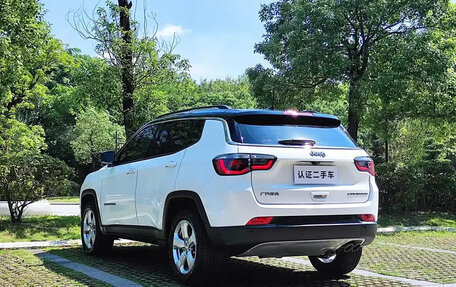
x=177 y=135
x=139 y=146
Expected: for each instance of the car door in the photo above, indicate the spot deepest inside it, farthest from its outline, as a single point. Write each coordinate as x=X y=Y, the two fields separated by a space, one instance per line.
x=157 y=176
x=119 y=184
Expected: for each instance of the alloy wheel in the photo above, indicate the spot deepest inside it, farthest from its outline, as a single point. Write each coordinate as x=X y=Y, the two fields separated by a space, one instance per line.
x=184 y=247
x=89 y=229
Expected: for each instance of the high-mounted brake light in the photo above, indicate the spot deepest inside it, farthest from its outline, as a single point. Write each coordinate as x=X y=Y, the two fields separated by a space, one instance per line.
x=296 y=113
x=365 y=163
x=260 y=220
x=240 y=163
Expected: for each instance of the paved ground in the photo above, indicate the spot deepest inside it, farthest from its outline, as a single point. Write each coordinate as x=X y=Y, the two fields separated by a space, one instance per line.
x=149 y=267
x=43 y=207
x=22 y=268
x=426 y=259
x=426 y=256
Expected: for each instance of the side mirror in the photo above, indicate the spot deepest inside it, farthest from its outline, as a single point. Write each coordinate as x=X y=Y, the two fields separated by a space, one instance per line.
x=107 y=157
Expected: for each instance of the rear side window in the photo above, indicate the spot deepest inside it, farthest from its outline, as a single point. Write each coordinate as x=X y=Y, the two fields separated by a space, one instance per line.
x=177 y=135
x=262 y=131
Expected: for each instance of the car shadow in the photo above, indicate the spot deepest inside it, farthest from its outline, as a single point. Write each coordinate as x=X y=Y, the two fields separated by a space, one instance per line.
x=149 y=265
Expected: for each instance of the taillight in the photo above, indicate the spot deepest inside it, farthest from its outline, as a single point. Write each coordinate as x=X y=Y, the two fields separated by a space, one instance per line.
x=240 y=163
x=260 y=220
x=365 y=163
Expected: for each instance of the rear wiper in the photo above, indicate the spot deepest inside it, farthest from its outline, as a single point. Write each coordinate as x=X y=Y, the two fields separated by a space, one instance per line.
x=299 y=142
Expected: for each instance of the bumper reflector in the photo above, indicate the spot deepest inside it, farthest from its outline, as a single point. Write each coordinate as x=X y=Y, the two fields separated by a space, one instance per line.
x=260 y=220
x=367 y=217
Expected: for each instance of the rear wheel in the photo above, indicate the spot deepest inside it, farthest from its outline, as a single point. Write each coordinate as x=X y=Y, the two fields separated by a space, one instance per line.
x=93 y=241
x=337 y=264
x=192 y=258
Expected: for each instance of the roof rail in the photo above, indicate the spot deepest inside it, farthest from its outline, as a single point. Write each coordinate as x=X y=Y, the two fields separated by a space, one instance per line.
x=221 y=107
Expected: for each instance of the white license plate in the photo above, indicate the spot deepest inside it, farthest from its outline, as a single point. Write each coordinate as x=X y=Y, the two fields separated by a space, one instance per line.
x=315 y=174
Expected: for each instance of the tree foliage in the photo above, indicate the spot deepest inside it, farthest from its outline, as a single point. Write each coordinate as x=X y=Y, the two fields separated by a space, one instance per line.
x=94 y=132
x=320 y=44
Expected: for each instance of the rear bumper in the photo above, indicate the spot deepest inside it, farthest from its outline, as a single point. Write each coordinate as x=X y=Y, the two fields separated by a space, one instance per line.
x=290 y=240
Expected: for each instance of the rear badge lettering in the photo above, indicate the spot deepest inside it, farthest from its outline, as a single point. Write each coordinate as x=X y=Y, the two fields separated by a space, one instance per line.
x=317 y=153
x=269 y=194
x=357 y=193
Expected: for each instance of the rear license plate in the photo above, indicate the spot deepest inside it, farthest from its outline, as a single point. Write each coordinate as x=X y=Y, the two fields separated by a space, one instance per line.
x=315 y=174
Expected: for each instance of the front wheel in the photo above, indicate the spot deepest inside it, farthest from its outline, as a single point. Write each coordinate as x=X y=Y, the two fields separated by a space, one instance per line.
x=192 y=258
x=93 y=241
x=339 y=263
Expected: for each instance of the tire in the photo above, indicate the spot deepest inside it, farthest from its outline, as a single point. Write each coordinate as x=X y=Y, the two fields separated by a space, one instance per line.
x=343 y=262
x=93 y=241
x=192 y=258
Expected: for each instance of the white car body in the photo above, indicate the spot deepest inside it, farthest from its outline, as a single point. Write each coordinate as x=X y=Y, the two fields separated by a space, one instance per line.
x=132 y=198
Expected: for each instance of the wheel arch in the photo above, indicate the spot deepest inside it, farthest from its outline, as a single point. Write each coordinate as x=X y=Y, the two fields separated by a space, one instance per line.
x=178 y=200
x=88 y=195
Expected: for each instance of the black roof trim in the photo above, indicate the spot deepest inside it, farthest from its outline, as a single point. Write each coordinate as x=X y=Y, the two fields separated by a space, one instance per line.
x=225 y=112
x=221 y=107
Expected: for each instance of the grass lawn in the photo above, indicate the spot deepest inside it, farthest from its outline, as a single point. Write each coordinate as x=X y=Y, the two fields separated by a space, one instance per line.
x=431 y=239
x=40 y=228
x=417 y=218
x=63 y=199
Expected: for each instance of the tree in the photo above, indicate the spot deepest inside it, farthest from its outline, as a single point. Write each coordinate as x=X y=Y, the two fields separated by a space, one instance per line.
x=313 y=44
x=26 y=174
x=29 y=56
x=140 y=60
x=185 y=93
x=94 y=133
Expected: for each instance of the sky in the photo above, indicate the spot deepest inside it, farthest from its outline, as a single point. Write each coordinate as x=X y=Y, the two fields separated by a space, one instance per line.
x=216 y=36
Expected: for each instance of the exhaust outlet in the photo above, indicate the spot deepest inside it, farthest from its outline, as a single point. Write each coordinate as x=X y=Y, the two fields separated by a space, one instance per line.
x=349 y=247
x=356 y=247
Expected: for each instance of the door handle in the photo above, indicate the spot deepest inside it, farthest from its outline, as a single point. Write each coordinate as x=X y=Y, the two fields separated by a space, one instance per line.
x=131 y=171
x=171 y=164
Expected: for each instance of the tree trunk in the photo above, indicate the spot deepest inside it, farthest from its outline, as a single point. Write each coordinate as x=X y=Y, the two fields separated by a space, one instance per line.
x=15 y=213
x=354 y=108
x=386 y=151
x=126 y=62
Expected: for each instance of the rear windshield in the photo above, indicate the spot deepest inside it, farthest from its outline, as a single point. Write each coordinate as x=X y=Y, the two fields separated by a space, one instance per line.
x=272 y=134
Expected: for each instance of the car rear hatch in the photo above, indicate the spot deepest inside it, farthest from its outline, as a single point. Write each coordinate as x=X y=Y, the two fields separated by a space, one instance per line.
x=315 y=160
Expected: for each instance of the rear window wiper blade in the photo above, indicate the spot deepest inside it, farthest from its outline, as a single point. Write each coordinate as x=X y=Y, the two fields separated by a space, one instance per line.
x=298 y=142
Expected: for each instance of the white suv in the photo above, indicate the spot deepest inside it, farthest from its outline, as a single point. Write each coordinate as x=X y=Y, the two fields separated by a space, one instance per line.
x=212 y=182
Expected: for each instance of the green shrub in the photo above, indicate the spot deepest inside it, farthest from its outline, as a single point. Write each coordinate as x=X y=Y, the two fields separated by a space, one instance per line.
x=428 y=185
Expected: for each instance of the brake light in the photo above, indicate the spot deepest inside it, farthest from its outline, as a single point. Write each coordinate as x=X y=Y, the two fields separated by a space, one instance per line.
x=294 y=113
x=367 y=217
x=365 y=163
x=260 y=220
x=239 y=163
